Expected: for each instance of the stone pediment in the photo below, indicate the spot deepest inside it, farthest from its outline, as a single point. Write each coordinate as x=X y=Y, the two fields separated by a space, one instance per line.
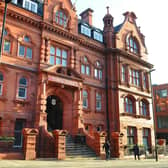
x=64 y=72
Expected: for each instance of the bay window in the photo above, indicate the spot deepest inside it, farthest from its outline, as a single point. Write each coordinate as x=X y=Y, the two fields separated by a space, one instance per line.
x=58 y=56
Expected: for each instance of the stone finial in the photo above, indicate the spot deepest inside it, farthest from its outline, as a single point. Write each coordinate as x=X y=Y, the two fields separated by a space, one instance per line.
x=107 y=9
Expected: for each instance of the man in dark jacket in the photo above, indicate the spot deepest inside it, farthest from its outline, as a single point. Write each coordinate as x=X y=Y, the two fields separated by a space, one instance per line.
x=106 y=146
x=136 y=151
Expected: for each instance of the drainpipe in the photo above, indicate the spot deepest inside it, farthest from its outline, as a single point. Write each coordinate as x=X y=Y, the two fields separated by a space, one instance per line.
x=107 y=107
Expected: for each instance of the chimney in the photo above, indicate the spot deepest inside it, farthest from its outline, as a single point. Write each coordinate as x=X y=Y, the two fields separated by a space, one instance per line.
x=86 y=16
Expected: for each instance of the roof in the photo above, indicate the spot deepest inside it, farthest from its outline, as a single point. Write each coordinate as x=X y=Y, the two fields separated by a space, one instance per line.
x=117 y=28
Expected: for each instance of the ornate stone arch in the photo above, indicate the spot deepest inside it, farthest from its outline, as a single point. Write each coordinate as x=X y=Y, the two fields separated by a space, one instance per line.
x=61 y=6
x=59 y=92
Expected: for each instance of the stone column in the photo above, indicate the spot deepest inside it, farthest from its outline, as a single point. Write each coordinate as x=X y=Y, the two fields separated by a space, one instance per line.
x=42 y=104
x=29 y=143
x=47 y=51
x=60 y=143
x=42 y=57
x=99 y=142
x=73 y=52
x=77 y=111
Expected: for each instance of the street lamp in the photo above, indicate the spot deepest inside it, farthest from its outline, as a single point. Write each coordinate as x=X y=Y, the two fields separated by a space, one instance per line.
x=3 y=25
x=156 y=152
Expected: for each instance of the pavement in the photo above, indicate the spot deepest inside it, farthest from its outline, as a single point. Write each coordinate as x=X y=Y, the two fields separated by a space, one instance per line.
x=80 y=163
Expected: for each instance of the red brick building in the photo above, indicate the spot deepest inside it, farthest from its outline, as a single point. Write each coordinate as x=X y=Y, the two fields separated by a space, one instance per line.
x=60 y=72
x=160 y=95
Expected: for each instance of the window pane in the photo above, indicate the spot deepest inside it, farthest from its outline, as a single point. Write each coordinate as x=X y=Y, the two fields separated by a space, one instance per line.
x=33 y=7
x=87 y=70
x=82 y=69
x=26 y=4
x=7 y=46
x=85 y=99
x=52 y=50
x=0 y=89
x=163 y=93
x=64 y=63
x=29 y=53
x=64 y=54
x=52 y=60
x=96 y=73
x=100 y=74
x=58 y=61
x=21 y=51
x=26 y=39
x=22 y=92
x=23 y=81
x=58 y=52
x=1 y=77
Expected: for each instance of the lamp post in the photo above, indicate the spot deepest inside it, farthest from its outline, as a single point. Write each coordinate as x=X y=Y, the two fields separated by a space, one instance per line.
x=156 y=152
x=3 y=25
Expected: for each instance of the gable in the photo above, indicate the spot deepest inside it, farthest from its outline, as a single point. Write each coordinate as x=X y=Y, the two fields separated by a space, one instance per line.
x=129 y=28
x=53 y=6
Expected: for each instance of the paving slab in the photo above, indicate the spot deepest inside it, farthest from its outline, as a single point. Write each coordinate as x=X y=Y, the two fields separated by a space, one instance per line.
x=80 y=163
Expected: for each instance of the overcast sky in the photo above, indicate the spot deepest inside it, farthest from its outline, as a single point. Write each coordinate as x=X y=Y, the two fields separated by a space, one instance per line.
x=151 y=17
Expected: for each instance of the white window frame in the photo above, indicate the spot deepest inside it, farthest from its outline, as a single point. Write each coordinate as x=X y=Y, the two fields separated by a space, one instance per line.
x=97 y=36
x=86 y=30
x=30 y=4
x=21 y=86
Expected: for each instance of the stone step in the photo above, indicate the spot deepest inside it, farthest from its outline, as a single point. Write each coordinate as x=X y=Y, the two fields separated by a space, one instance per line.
x=77 y=150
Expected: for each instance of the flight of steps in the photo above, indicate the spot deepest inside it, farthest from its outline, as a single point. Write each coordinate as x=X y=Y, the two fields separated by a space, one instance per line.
x=78 y=150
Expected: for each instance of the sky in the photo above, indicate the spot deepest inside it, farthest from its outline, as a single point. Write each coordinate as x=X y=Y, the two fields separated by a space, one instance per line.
x=151 y=17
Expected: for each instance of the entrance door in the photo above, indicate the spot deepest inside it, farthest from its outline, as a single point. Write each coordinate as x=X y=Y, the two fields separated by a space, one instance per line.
x=19 y=125
x=54 y=113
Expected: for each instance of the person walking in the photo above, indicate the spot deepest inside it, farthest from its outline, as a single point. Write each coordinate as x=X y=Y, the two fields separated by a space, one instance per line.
x=136 y=151
x=106 y=146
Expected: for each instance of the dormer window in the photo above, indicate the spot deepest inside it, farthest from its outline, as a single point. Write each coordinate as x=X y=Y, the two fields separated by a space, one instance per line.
x=85 y=30
x=30 y=5
x=61 y=18
x=98 y=36
x=132 y=44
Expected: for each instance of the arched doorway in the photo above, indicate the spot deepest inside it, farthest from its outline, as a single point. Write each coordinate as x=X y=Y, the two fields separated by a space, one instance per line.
x=54 y=113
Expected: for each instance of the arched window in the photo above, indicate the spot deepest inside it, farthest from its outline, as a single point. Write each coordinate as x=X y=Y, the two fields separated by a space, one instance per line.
x=129 y=105
x=1 y=83
x=61 y=18
x=132 y=44
x=144 y=107
x=25 y=48
x=22 y=89
x=58 y=56
x=85 y=99
x=98 y=71
x=85 y=67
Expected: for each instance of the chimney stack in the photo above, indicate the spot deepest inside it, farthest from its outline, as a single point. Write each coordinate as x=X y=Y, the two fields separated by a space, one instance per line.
x=86 y=16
